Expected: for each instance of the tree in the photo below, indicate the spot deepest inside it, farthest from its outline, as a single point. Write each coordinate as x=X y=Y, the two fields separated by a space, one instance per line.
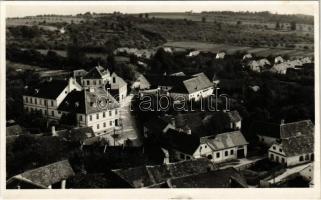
x=277 y=25
x=293 y=25
x=203 y=19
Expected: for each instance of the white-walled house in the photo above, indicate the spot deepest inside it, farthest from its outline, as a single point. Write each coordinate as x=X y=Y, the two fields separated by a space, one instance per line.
x=48 y=96
x=222 y=147
x=94 y=108
x=217 y=148
x=194 y=88
x=293 y=150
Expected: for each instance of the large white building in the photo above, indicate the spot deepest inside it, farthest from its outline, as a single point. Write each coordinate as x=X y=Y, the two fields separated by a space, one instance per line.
x=48 y=96
x=99 y=77
x=93 y=107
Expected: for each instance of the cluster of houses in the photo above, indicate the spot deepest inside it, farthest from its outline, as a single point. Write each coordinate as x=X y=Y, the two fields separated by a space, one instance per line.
x=94 y=98
x=177 y=86
x=279 y=66
x=194 y=144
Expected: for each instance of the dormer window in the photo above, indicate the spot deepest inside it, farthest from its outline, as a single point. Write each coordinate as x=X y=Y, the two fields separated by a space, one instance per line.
x=280 y=150
x=274 y=148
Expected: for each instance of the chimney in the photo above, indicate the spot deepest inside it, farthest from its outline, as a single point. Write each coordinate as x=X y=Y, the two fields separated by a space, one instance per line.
x=53 y=131
x=282 y=121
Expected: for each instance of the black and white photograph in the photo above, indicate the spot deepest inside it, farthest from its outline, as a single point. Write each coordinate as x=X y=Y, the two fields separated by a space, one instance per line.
x=160 y=95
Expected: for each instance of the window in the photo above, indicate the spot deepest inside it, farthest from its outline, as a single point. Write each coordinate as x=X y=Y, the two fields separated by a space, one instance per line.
x=114 y=79
x=31 y=99
x=104 y=124
x=232 y=152
x=226 y=153
x=272 y=157
x=90 y=118
x=52 y=103
x=80 y=117
x=26 y=99
x=53 y=113
x=301 y=158
x=110 y=113
x=99 y=82
x=277 y=158
x=116 y=112
x=110 y=123
x=282 y=160
x=94 y=82
x=88 y=82
x=36 y=101
x=104 y=114
x=217 y=154
x=97 y=116
x=97 y=126
x=280 y=150
x=307 y=157
x=45 y=102
x=274 y=148
x=210 y=157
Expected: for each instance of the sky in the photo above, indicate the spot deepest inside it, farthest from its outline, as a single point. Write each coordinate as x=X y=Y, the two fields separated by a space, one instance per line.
x=21 y=9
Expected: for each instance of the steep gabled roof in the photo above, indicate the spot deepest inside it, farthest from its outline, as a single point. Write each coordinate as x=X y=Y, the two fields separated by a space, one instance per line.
x=48 y=90
x=86 y=101
x=224 y=140
x=149 y=176
x=298 y=145
x=304 y=127
x=234 y=116
x=46 y=175
x=223 y=178
x=197 y=82
x=119 y=82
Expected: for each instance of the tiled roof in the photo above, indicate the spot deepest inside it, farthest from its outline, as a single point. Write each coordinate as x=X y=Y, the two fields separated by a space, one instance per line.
x=47 y=175
x=149 y=176
x=298 y=145
x=85 y=101
x=156 y=80
x=212 y=179
x=48 y=90
x=225 y=140
x=198 y=82
x=304 y=127
x=281 y=131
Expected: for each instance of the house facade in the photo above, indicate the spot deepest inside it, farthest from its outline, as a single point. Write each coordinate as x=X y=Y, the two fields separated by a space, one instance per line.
x=94 y=108
x=48 y=96
x=293 y=151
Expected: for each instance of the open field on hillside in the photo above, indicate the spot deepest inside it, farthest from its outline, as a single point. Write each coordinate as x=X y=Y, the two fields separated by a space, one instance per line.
x=231 y=49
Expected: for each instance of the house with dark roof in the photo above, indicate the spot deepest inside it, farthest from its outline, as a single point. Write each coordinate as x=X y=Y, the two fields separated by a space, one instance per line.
x=217 y=148
x=99 y=77
x=223 y=178
x=94 y=108
x=47 y=96
x=293 y=150
x=157 y=175
x=141 y=83
x=268 y=133
x=205 y=123
x=52 y=176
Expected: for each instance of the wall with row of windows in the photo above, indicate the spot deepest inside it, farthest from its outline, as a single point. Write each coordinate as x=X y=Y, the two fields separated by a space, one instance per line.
x=28 y=100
